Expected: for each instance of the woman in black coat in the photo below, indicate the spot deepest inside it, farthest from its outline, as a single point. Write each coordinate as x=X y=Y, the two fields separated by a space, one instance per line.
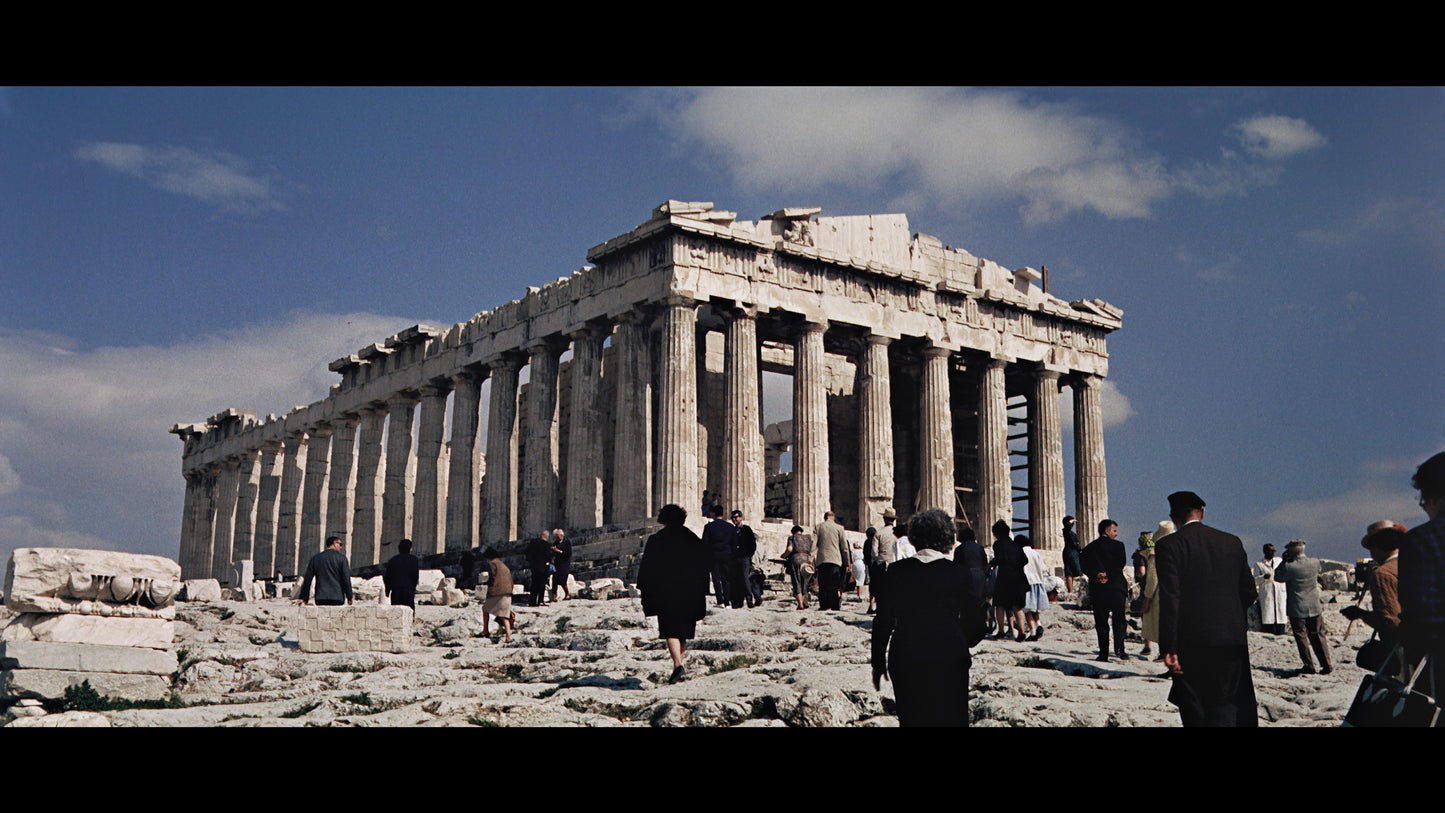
x=673 y=578
x=929 y=613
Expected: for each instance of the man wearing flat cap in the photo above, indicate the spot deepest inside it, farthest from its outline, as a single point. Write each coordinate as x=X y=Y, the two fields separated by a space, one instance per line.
x=1301 y=577
x=1204 y=591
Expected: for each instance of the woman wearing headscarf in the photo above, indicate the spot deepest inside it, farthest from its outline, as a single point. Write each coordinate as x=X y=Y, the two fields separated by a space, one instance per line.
x=1037 y=598
x=929 y=615
x=1149 y=599
x=673 y=579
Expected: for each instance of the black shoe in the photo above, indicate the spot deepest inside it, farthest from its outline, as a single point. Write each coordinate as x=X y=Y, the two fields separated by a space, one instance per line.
x=1038 y=633
x=1308 y=670
x=1102 y=659
x=1327 y=670
x=1122 y=655
x=1021 y=637
x=677 y=675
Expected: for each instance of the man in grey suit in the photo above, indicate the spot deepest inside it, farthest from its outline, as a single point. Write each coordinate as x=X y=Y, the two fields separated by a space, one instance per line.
x=1301 y=576
x=1204 y=590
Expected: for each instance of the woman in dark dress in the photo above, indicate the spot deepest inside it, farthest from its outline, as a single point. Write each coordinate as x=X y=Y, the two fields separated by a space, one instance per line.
x=673 y=578
x=929 y=614
x=1010 y=584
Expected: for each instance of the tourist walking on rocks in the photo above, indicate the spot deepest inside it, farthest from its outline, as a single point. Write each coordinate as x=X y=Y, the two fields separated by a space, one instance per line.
x=673 y=580
x=1037 y=598
x=539 y=565
x=1103 y=562
x=1010 y=585
x=745 y=547
x=799 y=557
x=931 y=613
x=403 y=572
x=860 y=568
x=831 y=556
x=1272 y=596
x=1301 y=576
x=1205 y=588
x=1072 y=551
x=498 y=602
x=885 y=548
x=561 y=563
x=971 y=555
x=332 y=576
x=1149 y=596
x=720 y=537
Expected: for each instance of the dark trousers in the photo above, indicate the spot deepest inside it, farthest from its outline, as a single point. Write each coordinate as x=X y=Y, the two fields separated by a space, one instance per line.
x=1107 y=603
x=1311 y=629
x=721 y=582
x=830 y=586
x=329 y=602
x=1216 y=689
x=755 y=585
x=537 y=586
x=739 y=591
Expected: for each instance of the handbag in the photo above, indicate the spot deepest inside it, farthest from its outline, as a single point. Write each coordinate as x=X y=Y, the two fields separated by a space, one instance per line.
x=1385 y=700
x=1372 y=654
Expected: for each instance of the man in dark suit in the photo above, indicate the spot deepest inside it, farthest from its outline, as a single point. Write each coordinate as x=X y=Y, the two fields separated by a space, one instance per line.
x=1204 y=590
x=1103 y=562
x=721 y=538
x=403 y=572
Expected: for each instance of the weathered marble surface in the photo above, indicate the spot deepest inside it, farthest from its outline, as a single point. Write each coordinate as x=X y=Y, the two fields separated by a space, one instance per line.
x=156 y=633
x=86 y=658
x=91 y=582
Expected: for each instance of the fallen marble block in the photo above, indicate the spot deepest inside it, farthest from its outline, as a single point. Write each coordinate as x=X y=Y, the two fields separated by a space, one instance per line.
x=202 y=590
x=355 y=628
x=156 y=633
x=86 y=658
x=50 y=684
x=91 y=582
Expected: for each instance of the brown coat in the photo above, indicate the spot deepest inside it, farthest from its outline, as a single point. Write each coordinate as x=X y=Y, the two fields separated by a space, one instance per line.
x=500 y=582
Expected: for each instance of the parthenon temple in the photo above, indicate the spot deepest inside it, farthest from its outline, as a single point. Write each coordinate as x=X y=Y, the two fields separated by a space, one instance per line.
x=921 y=377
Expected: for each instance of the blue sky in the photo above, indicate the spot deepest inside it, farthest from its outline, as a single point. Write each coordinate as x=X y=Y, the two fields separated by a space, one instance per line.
x=169 y=253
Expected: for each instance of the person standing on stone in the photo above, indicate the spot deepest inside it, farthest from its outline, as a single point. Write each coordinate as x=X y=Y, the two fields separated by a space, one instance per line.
x=1010 y=585
x=403 y=571
x=332 y=576
x=1036 y=600
x=1103 y=562
x=740 y=582
x=720 y=537
x=561 y=563
x=929 y=617
x=672 y=578
x=833 y=557
x=1072 y=551
x=860 y=568
x=1205 y=589
x=885 y=548
x=1301 y=576
x=498 y=602
x=539 y=566
x=799 y=556
x=1149 y=596
x=1272 y=596
x=1383 y=542
x=1422 y=572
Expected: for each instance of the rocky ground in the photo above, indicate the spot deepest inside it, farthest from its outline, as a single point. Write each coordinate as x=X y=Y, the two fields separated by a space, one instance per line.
x=598 y=663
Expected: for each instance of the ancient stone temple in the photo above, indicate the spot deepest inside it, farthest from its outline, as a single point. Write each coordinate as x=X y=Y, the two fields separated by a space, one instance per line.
x=921 y=377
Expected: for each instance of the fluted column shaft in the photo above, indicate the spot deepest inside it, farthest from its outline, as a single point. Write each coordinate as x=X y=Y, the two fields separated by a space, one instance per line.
x=1091 y=487
x=288 y=522
x=539 y=480
x=243 y=542
x=677 y=406
x=1046 y=463
x=188 y=520
x=426 y=498
x=810 y=427
x=313 y=503
x=341 y=486
x=632 y=454
x=227 y=486
x=875 y=437
x=995 y=487
x=198 y=565
x=268 y=504
x=463 y=482
x=365 y=539
x=499 y=510
x=584 y=439
x=742 y=474
x=396 y=499
x=936 y=436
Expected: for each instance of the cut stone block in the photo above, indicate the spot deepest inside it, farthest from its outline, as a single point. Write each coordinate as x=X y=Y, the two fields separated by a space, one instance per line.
x=86 y=658
x=156 y=633
x=202 y=590
x=355 y=628
x=50 y=684
x=91 y=582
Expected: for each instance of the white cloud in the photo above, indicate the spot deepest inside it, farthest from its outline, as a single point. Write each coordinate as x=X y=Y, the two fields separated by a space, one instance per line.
x=87 y=426
x=1112 y=401
x=1275 y=137
x=1333 y=524
x=219 y=178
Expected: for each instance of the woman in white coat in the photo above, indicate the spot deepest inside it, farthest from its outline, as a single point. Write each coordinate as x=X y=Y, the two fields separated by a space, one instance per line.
x=1271 y=593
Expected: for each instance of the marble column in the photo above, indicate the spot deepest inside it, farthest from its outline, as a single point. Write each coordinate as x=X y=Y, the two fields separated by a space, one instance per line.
x=742 y=472
x=1091 y=488
x=188 y=521
x=396 y=499
x=499 y=509
x=341 y=486
x=243 y=542
x=268 y=500
x=205 y=525
x=365 y=541
x=936 y=433
x=584 y=439
x=313 y=503
x=1046 y=463
x=875 y=436
x=463 y=478
x=288 y=521
x=539 y=480
x=426 y=497
x=677 y=406
x=810 y=426
x=632 y=454
x=227 y=487
x=995 y=486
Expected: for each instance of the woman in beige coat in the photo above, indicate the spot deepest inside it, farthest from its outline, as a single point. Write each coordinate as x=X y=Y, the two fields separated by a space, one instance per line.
x=1149 y=603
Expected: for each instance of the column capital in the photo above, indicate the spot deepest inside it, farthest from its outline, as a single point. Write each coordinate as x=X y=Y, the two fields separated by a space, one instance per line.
x=679 y=300
x=510 y=360
x=320 y=429
x=933 y=351
x=1045 y=374
x=879 y=338
x=551 y=343
x=436 y=387
x=587 y=330
x=401 y=399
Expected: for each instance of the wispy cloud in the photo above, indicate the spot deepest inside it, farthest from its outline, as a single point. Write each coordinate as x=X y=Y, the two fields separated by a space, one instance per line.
x=1337 y=521
x=1114 y=404
x=218 y=178
x=1275 y=137
x=948 y=146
